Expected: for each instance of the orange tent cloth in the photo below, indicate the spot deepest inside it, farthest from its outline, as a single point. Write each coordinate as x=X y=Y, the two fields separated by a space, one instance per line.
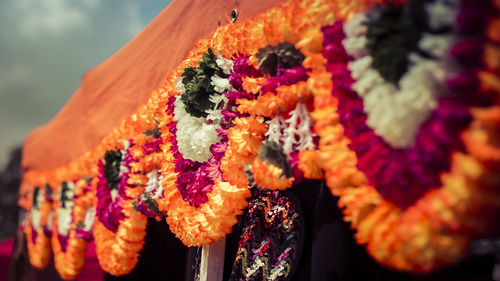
x=117 y=87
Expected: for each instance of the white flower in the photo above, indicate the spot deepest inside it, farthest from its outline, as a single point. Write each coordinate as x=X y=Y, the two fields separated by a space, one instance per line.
x=276 y=126
x=294 y=133
x=114 y=194
x=64 y=213
x=442 y=13
x=63 y=220
x=88 y=221
x=356 y=26
x=355 y=41
x=35 y=211
x=154 y=184
x=437 y=45
x=215 y=115
x=225 y=64
x=123 y=168
x=220 y=84
x=297 y=134
x=194 y=135
x=180 y=87
x=218 y=99
x=50 y=220
x=126 y=145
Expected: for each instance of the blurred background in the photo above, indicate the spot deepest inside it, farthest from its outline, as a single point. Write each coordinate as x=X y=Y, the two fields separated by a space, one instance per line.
x=45 y=48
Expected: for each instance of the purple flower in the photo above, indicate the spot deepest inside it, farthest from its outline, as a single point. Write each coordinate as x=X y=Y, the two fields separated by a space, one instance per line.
x=83 y=234
x=152 y=147
x=63 y=241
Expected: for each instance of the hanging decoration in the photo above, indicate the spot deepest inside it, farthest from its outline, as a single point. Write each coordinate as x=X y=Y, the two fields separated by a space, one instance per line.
x=271 y=239
x=73 y=221
x=394 y=103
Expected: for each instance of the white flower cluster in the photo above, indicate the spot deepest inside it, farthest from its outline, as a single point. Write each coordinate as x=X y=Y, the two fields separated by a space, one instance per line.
x=154 y=184
x=442 y=13
x=225 y=64
x=88 y=221
x=64 y=214
x=396 y=112
x=50 y=220
x=294 y=133
x=196 y=135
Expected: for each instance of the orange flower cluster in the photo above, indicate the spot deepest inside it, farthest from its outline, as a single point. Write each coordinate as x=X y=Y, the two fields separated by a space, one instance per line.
x=118 y=252
x=310 y=165
x=243 y=146
x=268 y=176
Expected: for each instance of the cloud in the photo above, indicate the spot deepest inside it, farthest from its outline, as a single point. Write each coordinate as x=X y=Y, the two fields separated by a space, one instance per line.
x=45 y=48
x=50 y=17
x=135 y=24
x=14 y=75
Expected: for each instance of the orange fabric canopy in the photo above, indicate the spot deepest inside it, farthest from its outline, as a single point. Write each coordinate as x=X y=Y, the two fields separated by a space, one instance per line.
x=117 y=87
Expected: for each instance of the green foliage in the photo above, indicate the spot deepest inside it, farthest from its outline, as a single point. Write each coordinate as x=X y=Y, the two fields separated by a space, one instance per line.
x=155 y=132
x=36 y=191
x=282 y=55
x=393 y=34
x=112 y=162
x=197 y=82
x=64 y=197
x=150 y=202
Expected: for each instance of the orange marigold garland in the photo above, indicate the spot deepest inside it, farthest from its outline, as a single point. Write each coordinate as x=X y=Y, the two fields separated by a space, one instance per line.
x=38 y=227
x=119 y=232
x=73 y=224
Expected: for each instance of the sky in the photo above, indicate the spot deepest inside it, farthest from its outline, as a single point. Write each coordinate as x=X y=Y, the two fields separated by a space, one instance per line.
x=45 y=48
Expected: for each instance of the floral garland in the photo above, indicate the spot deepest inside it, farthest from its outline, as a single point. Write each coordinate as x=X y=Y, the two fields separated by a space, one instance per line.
x=301 y=91
x=410 y=126
x=37 y=227
x=197 y=141
x=438 y=225
x=207 y=222
x=120 y=230
x=73 y=222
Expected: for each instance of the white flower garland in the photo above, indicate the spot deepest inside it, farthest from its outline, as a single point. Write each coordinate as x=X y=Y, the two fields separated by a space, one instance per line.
x=396 y=113
x=294 y=133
